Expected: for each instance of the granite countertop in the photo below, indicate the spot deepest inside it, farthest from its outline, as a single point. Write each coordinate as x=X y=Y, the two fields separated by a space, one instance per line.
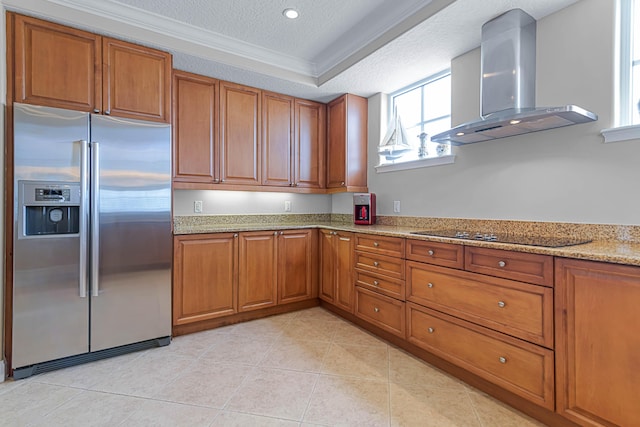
x=608 y=250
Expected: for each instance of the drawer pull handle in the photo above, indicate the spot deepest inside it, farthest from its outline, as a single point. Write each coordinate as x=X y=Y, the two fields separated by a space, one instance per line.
x=501 y=304
x=501 y=264
x=376 y=244
x=430 y=285
x=235 y=235
x=502 y=359
x=430 y=252
x=375 y=263
x=376 y=309
x=376 y=283
x=431 y=330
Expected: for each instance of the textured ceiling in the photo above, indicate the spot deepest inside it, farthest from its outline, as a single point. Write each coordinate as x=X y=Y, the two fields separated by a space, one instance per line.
x=336 y=46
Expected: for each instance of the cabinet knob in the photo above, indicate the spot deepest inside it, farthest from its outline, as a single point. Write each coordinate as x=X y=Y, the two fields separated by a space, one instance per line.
x=222 y=180
x=376 y=309
x=216 y=180
x=342 y=183
x=295 y=184
x=235 y=235
x=96 y=110
x=375 y=263
x=501 y=304
x=108 y=112
x=501 y=264
x=430 y=252
x=502 y=359
x=376 y=283
x=376 y=244
x=429 y=285
x=431 y=330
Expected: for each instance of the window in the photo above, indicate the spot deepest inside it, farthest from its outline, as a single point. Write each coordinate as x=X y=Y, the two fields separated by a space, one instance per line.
x=629 y=15
x=423 y=108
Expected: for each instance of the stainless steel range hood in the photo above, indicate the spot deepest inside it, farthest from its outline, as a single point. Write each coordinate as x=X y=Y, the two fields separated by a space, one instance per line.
x=507 y=92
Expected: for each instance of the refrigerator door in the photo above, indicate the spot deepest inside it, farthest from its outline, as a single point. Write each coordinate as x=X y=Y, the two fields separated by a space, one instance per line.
x=50 y=315
x=132 y=238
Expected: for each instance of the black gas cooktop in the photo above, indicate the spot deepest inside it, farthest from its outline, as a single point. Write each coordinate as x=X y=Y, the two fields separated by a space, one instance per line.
x=516 y=239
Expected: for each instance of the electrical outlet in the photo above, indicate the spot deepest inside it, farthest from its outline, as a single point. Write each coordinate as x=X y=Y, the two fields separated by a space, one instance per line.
x=287 y=205
x=197 y=206
x=396 y=206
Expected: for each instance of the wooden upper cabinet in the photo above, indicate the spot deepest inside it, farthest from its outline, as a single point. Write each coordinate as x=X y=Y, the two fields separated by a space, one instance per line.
x=347 y=143
x=240 y=122
x=56 y=66
x=59 y=66
x=597 y=344
x=137 y=81
x=309 y=144
x=195 y=128
x=277 y=139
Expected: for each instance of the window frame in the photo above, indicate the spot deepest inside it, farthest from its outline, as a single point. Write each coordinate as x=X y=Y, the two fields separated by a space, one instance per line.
x=432 y=160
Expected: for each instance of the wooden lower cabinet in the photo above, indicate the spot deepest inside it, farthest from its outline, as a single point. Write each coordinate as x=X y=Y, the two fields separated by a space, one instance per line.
x=517 y=366
x=257 y=285
x=336 y=269
x=297 y=261
x=597 y=342
x=205 y=279
x=385 y=312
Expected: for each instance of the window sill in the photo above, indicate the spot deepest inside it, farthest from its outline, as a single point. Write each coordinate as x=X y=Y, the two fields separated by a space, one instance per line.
x=622 y=133
x=415 y=164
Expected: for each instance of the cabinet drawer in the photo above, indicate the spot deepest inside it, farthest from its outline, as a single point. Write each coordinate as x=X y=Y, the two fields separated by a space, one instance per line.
x=380 y=264
x=391 y=246
x=524 y=267
x=384 y=312
x=394 y=288
x=519 y=309
x=444 y=254
x=517 y=366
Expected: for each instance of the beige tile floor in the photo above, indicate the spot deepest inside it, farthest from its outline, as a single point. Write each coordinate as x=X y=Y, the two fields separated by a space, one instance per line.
x=298 y=369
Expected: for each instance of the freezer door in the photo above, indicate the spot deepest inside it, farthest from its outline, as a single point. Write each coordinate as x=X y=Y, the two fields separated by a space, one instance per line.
x=132 y=239
x=50 y=315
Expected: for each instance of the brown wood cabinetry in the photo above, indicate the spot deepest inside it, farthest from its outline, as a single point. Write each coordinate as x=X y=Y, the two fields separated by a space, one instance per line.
x=597 y=344
x=347 y=144
x=62 y=67
x=257 y=285
x=444 y=254
x=522 y=368
x=205 y=277
x=240 y=122
x=531 y=268
x=277 y=139
x=195 y=128
x=297 y=265
x=309 y=144
x=336 y=269
x=385 y=312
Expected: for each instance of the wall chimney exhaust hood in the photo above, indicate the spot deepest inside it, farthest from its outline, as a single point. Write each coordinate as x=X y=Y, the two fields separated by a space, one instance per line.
x=507 y=92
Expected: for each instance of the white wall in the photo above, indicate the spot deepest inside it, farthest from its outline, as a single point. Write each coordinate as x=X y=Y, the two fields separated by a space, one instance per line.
x=216 y=202
x=566 y=175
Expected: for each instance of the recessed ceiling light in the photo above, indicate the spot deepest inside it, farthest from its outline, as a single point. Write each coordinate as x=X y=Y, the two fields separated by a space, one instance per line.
x=290 y=13
x=460 y=134
x=515 y=122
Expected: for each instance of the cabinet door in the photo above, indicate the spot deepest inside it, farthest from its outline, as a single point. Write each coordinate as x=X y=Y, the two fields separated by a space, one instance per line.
x=137 y=81
x=345 y=288
x=56 y=66
x=327 y=261
x=195 y=128
x=239 y=134
x=310 y=142
x=337 y=143
x=597 y=344
x=277 y=138
x=204 y=277
x=257 y=286
x=296 y=250
x=347 y=143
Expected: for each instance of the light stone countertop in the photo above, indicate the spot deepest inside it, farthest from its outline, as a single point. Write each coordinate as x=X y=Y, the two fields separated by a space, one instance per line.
x=615 y=251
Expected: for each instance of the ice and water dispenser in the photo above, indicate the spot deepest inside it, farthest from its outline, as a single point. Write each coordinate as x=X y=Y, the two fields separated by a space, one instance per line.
x=48 y=208
x=364 y=208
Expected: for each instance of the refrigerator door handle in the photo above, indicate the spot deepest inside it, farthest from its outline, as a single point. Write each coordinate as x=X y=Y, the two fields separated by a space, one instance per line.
x=84 y=216
x=95 y=218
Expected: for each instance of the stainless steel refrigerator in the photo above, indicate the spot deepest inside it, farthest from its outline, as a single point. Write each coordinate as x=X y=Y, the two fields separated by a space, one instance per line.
x=92 y=242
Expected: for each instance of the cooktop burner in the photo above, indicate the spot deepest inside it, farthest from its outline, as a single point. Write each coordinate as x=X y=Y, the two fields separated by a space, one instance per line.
x=516 y=239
